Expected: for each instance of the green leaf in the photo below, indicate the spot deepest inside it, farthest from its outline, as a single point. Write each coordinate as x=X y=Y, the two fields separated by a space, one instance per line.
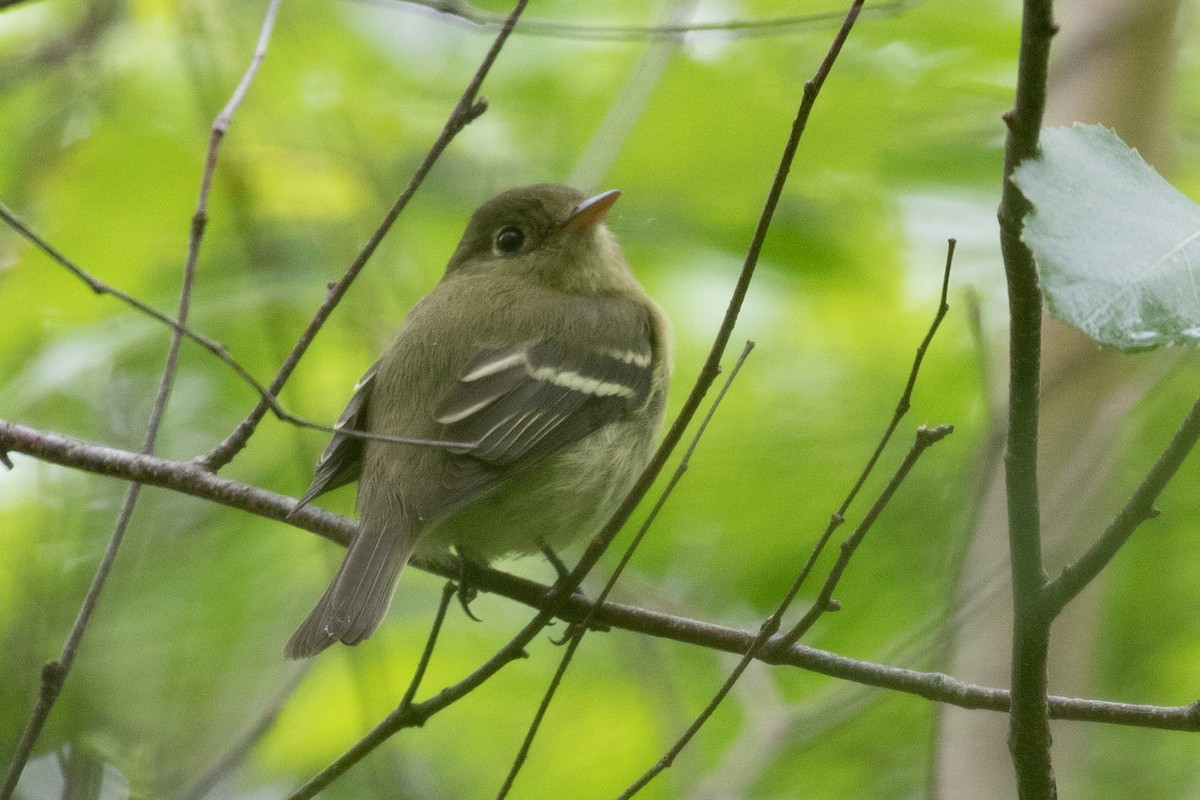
x=1117 y=247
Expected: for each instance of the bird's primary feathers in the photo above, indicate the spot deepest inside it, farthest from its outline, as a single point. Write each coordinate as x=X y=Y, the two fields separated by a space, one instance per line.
x=541 y=359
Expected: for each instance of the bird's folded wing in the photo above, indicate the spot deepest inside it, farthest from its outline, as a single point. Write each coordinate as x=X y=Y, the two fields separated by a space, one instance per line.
x=341 y=462
x=513 y=407
x=521 y=404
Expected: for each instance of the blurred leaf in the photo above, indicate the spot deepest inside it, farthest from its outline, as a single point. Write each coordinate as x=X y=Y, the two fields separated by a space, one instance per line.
x=1117 y=246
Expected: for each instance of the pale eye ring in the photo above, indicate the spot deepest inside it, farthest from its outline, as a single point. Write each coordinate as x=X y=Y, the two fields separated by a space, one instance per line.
x=509 y=240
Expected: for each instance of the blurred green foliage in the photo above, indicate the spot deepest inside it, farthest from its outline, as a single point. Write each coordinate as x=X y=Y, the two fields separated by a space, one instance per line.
x=106 y=108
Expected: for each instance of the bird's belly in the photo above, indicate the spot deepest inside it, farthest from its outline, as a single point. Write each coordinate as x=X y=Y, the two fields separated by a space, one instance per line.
x=561 y=500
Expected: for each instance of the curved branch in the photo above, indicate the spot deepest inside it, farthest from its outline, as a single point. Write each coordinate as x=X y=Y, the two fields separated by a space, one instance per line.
x=730 y=29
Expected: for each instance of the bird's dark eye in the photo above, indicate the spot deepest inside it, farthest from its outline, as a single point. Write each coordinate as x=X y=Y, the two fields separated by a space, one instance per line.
x=509 y=240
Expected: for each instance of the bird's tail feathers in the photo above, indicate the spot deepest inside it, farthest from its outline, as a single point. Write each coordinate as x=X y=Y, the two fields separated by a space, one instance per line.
x=359 y=595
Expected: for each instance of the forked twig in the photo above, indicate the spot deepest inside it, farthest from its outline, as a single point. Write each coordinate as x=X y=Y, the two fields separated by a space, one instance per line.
x=924 y=439
x=211 y=345
x=902 y=407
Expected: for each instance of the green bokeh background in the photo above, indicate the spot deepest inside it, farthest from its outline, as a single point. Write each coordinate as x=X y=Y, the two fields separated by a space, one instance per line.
x=102 y=150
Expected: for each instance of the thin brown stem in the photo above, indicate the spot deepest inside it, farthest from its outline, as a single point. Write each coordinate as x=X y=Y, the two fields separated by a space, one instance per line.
x=469 y=107
x=439 y=617
x=54 y=673
x=925 y=438
x=837 y=518
x=186 y=477
x=1077 y=576
x=579 y=630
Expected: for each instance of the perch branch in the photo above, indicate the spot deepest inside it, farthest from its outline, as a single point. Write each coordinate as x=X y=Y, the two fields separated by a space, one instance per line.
x=187 y=478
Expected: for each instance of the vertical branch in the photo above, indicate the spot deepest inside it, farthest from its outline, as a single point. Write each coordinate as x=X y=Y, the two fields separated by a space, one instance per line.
x=54 y=673
x=1029 y=729
x=467 y=110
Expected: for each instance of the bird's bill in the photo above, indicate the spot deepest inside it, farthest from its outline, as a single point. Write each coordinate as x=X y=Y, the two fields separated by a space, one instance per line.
x=591 y=211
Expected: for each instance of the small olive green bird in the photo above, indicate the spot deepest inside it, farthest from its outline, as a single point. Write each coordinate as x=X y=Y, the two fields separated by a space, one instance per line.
x=540 y=357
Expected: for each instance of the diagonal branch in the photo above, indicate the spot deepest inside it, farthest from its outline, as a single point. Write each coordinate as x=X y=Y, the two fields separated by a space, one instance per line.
x=579 y=630
x=211 y=345
x=925 y=438
x=1140 y=508
x=469 y=107
x=902 y=406
x=55 y=673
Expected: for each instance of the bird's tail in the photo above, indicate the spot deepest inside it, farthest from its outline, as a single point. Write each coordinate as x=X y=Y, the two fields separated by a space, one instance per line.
x=358 y=598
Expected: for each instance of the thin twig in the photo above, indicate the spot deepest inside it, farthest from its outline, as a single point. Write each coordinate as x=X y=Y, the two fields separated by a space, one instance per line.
x=212 y=346
x=924 y=439
x=102 y=288
x=1029 y=728
x=565 y=587
x=727 y=29
x=467 y=110
x=902 y=407
x=580 y=629
x=1140 y=508
x=416 y=714
x=712 y=364
x=186 y=477
x=430 y=642
x=54 y=673
x=611 y=134
x=241 y=748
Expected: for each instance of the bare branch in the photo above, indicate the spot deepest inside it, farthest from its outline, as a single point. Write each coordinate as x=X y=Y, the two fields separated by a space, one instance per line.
x=212 y=346
x=924 y=439
x=55 y=673
x=729 y=29
x=579 y=630
x=187 y=478
x=1140 y=508
x=467 y=110
x=1029 y=729
x=448 y=592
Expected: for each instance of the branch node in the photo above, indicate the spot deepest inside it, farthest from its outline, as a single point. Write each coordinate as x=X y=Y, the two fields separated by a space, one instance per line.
x=53 y=675
x=6 y=460
x=476 y=110
x=833 y=605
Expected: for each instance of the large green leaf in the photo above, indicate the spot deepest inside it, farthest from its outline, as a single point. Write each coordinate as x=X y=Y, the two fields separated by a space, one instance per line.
x=1118 y=248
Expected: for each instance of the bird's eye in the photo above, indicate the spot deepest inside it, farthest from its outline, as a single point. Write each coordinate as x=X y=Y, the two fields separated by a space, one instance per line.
x=509 y=240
